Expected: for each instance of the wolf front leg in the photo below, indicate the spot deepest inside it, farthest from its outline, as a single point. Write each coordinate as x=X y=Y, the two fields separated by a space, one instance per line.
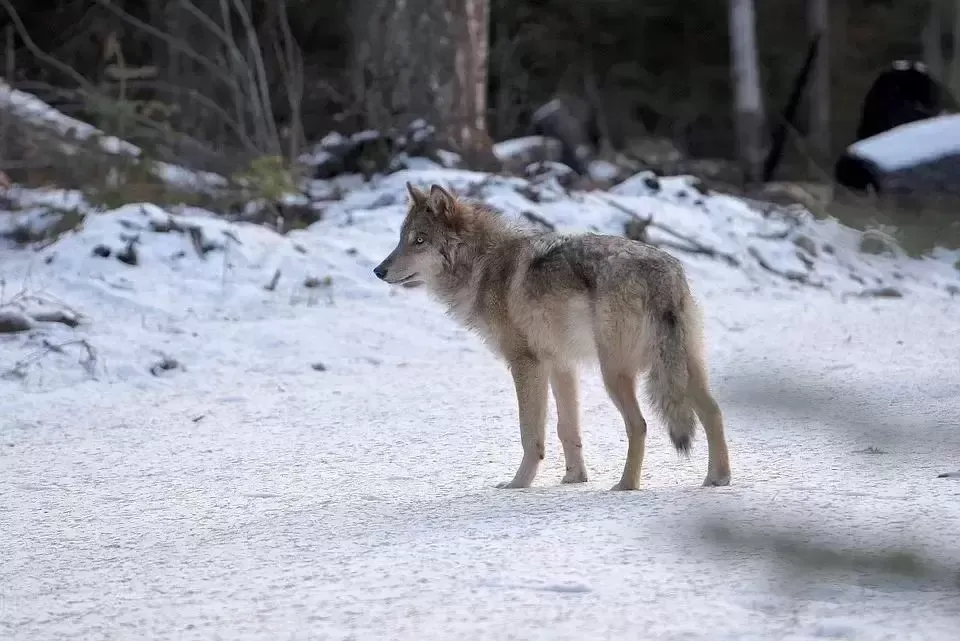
x=530 y=378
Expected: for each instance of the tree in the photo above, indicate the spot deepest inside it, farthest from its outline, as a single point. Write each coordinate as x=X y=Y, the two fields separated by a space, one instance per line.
x=941 y=43
x=424 y=58
x=818 y=25
x=748 y=101
x=469 y=22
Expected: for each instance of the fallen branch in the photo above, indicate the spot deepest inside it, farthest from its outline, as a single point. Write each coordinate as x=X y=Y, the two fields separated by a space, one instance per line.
x=693 y=246
x=55 y=316
x=795 y=277
x=17 y=316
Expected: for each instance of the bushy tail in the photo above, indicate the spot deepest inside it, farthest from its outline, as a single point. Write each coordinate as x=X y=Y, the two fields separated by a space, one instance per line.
x=667 y=381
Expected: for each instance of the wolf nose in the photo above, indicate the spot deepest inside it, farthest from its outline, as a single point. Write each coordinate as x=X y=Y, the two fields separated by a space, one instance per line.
x=380 y=272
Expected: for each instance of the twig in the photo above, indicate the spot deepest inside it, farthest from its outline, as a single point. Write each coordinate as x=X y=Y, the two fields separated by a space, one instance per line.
x=89 y=363
x=196 y=240
x=272 y=285
x=42 y=55
x=694 y=245
x=803 y=279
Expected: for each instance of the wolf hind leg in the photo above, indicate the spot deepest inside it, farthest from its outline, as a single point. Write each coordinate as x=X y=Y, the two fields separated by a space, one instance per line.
x=563 y=382
x=718 y=465
x=621 y=385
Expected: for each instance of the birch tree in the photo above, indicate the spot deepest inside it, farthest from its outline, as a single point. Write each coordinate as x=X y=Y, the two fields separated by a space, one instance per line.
x=748 y=100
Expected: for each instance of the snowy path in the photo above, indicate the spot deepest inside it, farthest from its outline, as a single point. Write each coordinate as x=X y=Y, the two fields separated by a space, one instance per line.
x=257 y=500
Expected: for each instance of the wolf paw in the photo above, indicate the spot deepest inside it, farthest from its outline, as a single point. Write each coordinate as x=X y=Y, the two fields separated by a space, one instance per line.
x=575 y=476
x=716 y=480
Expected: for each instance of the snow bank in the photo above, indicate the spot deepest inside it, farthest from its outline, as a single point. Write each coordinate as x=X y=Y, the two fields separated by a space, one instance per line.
x=141 y=262
x=911 y=144
x=132 y=276
x=720 y=237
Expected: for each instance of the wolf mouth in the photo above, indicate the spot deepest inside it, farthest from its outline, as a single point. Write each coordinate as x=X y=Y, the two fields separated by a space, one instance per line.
x=405 y=280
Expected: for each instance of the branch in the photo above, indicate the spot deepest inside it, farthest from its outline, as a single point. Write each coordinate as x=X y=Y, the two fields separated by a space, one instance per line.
x=253 y=42
x=694 y=245
x=170 y=40
x=42 y=55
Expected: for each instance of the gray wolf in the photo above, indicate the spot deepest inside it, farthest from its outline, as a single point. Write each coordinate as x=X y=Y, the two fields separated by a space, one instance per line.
x=547 y=302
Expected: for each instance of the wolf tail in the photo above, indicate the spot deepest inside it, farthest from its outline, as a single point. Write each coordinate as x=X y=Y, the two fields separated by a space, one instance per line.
x=669 y=373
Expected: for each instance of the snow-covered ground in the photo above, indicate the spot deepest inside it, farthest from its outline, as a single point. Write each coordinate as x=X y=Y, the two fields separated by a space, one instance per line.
x=248 y=436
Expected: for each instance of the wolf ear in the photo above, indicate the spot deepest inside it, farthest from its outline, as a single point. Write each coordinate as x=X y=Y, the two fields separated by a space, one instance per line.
x=417 y=196
x=441 y=199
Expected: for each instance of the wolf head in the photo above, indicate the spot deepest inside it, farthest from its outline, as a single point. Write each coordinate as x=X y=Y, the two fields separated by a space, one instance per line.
x=428 y=238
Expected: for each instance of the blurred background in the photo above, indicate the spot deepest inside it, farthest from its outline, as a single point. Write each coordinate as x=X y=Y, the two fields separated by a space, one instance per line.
x=758 y=98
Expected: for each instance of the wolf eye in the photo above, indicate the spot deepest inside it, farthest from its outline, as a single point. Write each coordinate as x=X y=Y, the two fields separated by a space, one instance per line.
x=419 y=239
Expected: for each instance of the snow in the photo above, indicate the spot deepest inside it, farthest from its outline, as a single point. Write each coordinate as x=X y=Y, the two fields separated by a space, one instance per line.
x=912 y=144
x=517 y=147
x=603 y=170
x=317 y=459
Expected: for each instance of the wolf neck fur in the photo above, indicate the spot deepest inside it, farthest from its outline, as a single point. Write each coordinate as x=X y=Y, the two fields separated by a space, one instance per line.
x=468 y=256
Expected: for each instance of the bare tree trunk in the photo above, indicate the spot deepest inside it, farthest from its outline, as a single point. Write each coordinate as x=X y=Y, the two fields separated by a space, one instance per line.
x=401 y=60
x=748 y=101
x=941 y=32
x=424 y=59
x=932 y=33
x=953 y=80
x=473 y=18
x=818 y=20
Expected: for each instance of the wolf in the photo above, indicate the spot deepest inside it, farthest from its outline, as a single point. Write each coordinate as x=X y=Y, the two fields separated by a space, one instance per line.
x=547 y=303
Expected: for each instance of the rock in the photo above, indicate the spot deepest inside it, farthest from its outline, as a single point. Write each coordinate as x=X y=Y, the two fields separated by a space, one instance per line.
x=806 y=244
x=13 y=321
x=128 y=255
x=570 y=121
x=636 y=229
x=518 y=153
x=882 y=292
x=653 y=152
x=878 y=243
x=811 y=196
x=165 y=364
x=542 y=172
x=371 y=152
